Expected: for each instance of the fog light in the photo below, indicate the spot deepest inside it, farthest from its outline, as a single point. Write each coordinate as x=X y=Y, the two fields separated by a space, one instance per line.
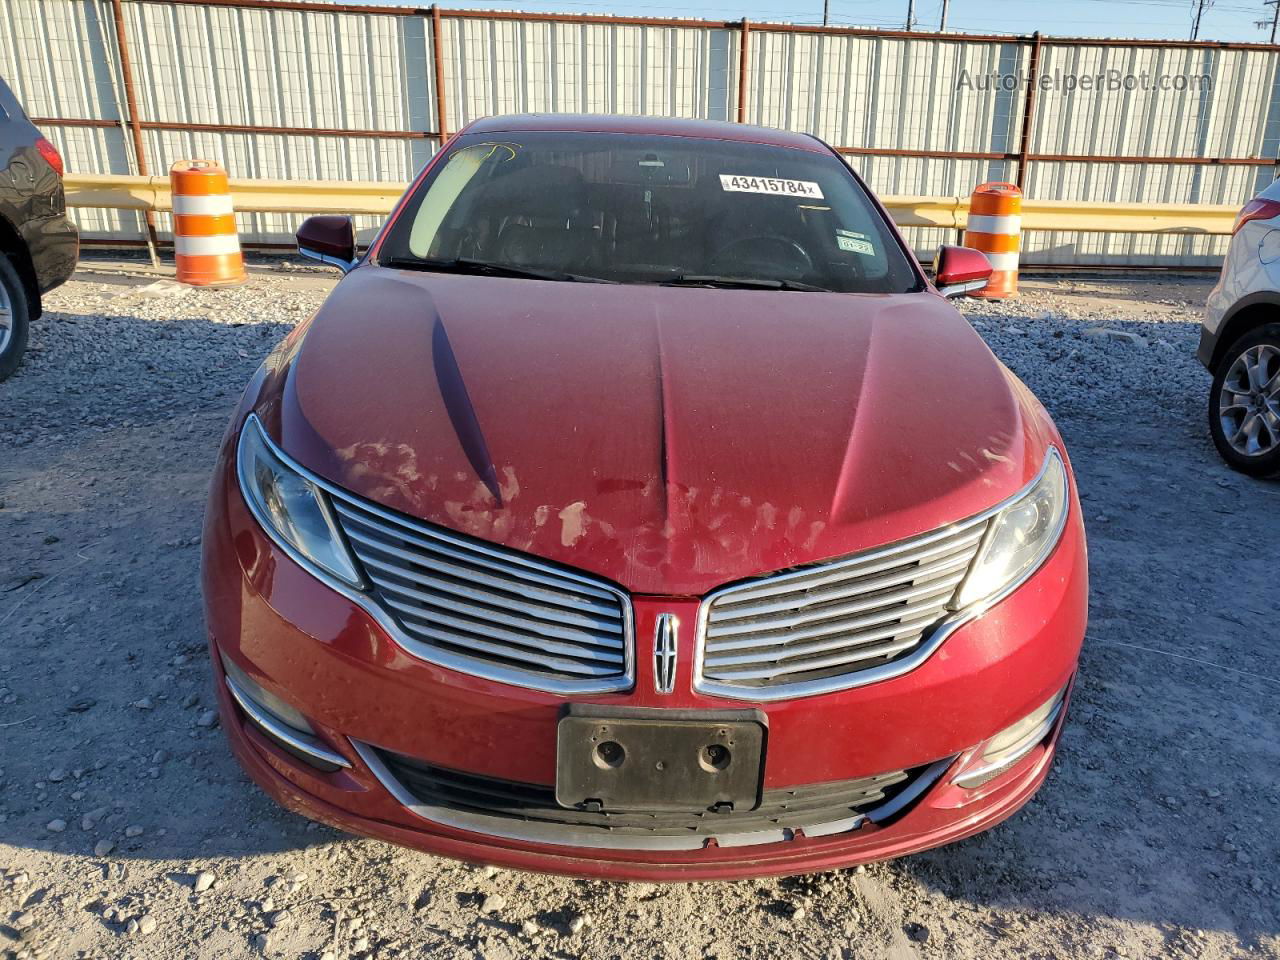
x=1011 y=744
x=278 y=720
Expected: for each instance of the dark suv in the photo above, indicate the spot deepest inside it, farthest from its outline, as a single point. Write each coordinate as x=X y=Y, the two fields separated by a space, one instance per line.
x=38 y=244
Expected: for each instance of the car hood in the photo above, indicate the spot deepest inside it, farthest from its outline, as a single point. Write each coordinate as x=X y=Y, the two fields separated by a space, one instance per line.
x=670 y=439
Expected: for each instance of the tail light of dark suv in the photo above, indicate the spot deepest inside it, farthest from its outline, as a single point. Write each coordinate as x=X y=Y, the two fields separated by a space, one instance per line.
x=51 y=155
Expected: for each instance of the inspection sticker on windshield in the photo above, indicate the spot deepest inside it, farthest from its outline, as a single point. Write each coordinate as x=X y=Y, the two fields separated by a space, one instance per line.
x=852 y=242
x=784 y=188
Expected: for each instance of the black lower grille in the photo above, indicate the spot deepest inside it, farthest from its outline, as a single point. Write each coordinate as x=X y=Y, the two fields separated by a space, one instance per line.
x=785 y=810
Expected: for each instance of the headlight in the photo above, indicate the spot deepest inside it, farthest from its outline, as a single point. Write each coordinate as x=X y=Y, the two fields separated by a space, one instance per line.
x=292 y=510
x=1021 y=536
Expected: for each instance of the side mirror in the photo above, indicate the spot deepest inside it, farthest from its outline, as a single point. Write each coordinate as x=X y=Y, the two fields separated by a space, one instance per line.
x=329 y=239
x=960 y=270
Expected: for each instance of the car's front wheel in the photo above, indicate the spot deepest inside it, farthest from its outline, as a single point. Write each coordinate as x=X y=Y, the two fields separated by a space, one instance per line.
x=15 y=316
x=1244 y=403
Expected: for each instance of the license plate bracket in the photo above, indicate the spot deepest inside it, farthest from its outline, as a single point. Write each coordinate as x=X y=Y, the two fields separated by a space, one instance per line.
x=659 y=760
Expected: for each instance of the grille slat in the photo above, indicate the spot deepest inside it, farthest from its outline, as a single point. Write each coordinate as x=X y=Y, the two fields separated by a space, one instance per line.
x=781 y=653
x=817 y=628
x=489 y=611
x=515 y=657
x=855 y=586
x=534 y=586
x=725 y=628
x=445 y=601
x=393 y=560
x=853 y=655
x=931 y=545
x=934 y=600
x=536 y=643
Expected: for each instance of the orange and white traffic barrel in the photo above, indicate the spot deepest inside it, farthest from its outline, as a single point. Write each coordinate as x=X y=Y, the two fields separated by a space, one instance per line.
x=205 y=242
x=995 y=227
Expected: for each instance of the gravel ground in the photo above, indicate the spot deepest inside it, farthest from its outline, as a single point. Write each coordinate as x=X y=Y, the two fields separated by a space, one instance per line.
x=127 y=830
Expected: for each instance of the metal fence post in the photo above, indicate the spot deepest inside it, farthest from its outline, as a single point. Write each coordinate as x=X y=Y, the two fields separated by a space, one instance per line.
x=131 y=104
x=1029 y=112
x=744 y=61
x=437 y=65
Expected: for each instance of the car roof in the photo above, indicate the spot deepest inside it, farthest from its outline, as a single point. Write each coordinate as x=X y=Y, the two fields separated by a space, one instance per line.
x=645 y=126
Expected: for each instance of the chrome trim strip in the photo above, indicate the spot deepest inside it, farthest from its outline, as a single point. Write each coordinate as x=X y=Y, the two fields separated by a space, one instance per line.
x=923 y=783
x=310 y=253
x=443 y=658
x=930 y=644
x=282 y=731
x=960 y=289
x=1033 y=739
x=591 y=838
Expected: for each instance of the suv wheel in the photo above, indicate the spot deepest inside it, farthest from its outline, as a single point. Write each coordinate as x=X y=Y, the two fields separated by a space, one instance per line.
x=15 y=314
x=1244 y=403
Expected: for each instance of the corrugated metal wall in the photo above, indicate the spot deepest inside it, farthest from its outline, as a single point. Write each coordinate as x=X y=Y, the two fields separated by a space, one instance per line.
x=352 y=96
x=515 y=66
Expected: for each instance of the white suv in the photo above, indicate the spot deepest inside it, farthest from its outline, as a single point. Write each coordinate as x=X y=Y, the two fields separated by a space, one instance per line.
x=1240 y=342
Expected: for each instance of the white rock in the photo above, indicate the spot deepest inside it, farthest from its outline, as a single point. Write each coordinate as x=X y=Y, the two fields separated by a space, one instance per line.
x=1106 y=333
x=147 y=924
x=161 y=289
x=103 y=847
x=204 y=880
x=493 y=903
x=56 y=826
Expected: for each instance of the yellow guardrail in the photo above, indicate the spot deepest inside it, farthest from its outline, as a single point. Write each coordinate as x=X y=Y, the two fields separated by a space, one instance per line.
x=248 y=196
x=1188 y=218
x=378 y=197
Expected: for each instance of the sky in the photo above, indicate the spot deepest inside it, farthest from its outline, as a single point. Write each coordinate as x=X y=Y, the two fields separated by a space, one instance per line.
x=1227 y=20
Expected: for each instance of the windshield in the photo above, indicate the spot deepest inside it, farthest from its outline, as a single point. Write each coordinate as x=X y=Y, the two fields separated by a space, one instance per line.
x=648 y=209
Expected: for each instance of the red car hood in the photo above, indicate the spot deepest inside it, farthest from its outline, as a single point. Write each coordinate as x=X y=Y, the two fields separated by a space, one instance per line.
x=670 y=439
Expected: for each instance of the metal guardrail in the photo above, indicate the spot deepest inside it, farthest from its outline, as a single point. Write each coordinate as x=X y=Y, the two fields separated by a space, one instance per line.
x=378 y=197
x=108 y=191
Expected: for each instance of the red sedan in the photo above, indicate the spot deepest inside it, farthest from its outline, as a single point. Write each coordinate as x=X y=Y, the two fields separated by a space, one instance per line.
x=637 y=507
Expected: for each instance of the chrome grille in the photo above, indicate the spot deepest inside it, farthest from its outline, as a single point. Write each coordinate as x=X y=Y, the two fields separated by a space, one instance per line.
x=488 y=611
x=830 y=626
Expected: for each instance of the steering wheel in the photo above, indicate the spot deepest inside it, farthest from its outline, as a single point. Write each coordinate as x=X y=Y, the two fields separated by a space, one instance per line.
x=767 y=255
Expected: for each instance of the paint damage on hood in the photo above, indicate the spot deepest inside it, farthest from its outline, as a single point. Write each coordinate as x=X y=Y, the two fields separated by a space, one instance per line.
x=670 y=439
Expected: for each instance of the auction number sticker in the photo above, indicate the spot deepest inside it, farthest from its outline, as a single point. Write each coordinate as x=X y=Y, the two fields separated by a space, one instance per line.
x=736 y=183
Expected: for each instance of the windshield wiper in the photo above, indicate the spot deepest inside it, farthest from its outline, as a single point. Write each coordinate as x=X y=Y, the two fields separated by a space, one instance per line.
x=486 y=268
x=740 y=283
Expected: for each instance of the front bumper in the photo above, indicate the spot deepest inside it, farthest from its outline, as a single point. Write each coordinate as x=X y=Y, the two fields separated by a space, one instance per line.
x=324 y=655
